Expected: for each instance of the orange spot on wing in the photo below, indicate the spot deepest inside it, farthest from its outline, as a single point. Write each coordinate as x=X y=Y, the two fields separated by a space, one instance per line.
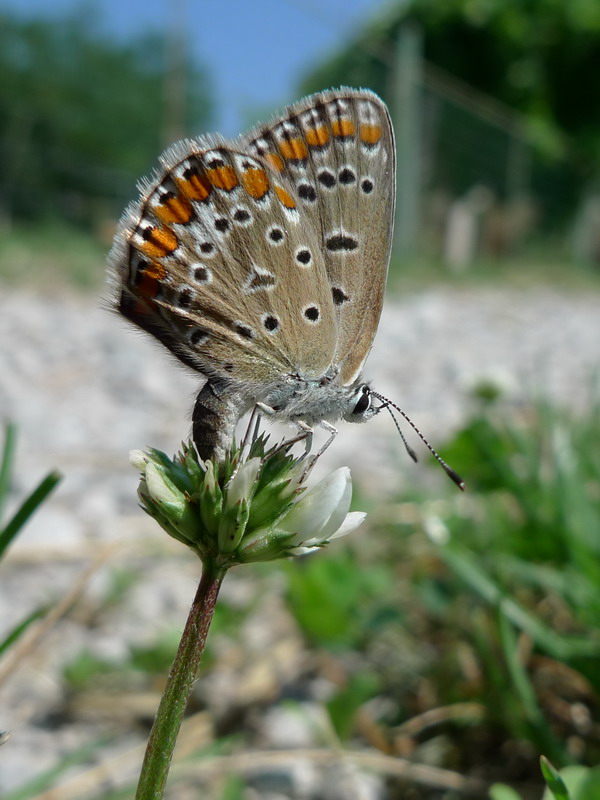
x=293 y=149
x=155 y=270
x=222 y=178
x=195 y=186
x=147 y=282
x=275 y=161
x=285 y=198
x=341 y=128
x=159 y=242
x=174 y=209
x=255 y=182
x=317 y=137
x=370 y=134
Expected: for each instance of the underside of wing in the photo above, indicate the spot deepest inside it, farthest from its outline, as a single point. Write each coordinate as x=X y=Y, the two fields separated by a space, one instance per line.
x=220 y=262
x=337 y=151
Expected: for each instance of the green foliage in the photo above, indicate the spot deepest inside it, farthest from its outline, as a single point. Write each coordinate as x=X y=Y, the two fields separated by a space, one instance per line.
x=48 y=257
x=122 y=579
x=233 y=789
x=12 y=528
x=6 y=464
x=536 y=57
x=19 y=629
x=506 y=106
x=570 y=783
x=525 y=544
x=540 y=478
x=334 y=602
x=156 y=658
x=500 y=791
x=578 y=783
x=347 y=702
x=554 y=781
x=85 y=669
x=81 y=115
x=491 y=599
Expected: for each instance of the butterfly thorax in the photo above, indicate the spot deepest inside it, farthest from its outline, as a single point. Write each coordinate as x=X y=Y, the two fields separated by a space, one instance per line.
x=314 y=400
x=221 y=404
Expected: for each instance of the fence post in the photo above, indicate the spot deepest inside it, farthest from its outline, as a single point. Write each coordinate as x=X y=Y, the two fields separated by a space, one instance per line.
x=406 y=113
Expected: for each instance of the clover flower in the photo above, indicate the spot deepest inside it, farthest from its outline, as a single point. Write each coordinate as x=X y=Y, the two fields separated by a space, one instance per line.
x=240 y=511
x=236 y=511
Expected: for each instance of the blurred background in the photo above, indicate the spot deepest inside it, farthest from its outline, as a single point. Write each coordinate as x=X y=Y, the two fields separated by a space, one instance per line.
x=453 y=640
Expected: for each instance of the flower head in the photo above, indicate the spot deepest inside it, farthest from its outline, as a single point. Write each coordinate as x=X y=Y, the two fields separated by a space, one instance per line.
x=237 y=511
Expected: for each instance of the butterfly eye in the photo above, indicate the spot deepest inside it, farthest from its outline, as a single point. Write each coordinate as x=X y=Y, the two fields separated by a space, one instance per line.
x=363 y=403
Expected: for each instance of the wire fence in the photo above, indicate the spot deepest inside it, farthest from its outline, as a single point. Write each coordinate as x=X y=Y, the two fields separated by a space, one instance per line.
x=486 y=188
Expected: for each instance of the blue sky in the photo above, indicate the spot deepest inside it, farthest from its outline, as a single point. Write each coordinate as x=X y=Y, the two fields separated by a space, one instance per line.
x=255 y=50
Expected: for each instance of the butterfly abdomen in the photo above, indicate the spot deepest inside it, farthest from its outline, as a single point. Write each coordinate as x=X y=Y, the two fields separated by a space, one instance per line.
x=216 y=413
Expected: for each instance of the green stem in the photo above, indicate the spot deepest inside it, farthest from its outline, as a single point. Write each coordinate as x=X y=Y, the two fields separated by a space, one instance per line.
x=182 y=676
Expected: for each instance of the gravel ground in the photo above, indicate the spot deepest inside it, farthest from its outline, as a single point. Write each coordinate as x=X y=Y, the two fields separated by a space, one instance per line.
x=85 y=389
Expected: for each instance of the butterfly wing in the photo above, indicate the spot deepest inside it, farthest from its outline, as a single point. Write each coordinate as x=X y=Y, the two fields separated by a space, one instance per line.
x=219 y=261
x=337 y=150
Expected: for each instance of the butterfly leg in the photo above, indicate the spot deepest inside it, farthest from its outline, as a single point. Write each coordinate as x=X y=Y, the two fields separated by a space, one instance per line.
x=333 y=432
x=305 y=435
x=251 y=434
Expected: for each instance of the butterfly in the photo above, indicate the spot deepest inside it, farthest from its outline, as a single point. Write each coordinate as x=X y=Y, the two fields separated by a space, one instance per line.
x=261 y=262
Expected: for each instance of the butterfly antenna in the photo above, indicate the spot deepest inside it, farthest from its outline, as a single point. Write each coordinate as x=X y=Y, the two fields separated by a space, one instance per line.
x=454 y=476
x=409 y=449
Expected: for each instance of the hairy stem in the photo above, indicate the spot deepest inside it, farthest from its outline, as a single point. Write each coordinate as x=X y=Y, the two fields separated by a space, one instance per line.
x=182 y=676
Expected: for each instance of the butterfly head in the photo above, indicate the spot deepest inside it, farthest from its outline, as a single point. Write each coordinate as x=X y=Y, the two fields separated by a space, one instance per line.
x=360 y=406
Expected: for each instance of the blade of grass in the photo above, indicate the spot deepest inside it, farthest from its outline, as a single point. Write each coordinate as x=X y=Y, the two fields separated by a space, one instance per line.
x=27 y=508
x=8 y=453
x=19 y=629
x=553 y=780
x=554 y=644
x=525 y=691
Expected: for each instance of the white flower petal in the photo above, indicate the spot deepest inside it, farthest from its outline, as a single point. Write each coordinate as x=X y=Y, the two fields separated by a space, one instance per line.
x=138 y=459
x=313 y=511
x=436 y=529
x=339 y=513
x=303 y=551
x=242 y=481
x=351 y=523
x=160 y=489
